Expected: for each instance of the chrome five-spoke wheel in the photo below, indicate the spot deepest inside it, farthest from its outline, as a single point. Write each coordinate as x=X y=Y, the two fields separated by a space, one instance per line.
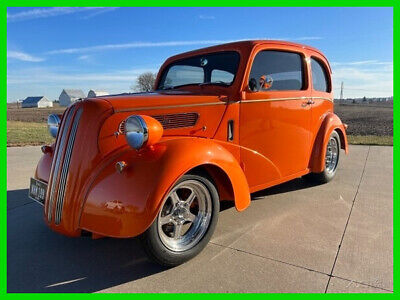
x=185 y=215
x=185 y=221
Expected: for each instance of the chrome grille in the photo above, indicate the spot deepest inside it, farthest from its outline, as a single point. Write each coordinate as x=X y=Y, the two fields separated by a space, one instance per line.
x=177 y=120
x=65 y=167
x=57 y=160
x=62 y=156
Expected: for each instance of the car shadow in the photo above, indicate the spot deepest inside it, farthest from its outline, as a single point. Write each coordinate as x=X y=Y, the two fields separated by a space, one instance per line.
x=290 y=186
x=39 y=260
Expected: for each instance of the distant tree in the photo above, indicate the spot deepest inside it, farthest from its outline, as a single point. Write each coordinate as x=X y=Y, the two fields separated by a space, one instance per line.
x=145 y=82
x=364 y=99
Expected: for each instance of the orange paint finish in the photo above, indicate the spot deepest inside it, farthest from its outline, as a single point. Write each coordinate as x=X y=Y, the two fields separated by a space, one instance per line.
x=330 y=123
x=244 y=140
x=155 y=130
x=130 y=206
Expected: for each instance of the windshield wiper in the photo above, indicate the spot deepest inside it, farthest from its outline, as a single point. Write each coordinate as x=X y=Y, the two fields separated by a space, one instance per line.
x=219 y=82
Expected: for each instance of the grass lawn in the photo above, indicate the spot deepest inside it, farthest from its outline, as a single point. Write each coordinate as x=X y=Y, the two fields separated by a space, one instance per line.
x=32 y=133
x=384 y=140
x=27 y=133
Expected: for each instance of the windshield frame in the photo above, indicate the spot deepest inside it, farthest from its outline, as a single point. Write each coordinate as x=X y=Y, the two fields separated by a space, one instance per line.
x=174 y=63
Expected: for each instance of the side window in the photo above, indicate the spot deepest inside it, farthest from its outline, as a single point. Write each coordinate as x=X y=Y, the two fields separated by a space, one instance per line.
x=320 y=77
x=277 y=71
x=220 y=75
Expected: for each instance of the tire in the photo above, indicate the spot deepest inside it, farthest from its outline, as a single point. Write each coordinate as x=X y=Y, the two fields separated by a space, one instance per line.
x=331 y=163
x=185 y=223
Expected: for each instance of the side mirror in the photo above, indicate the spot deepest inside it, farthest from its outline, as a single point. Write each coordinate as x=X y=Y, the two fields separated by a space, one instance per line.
x=266 y=82
x=253 y=85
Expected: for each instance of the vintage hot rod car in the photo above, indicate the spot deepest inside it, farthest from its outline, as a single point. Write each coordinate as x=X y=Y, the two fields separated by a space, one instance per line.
x=222 y=122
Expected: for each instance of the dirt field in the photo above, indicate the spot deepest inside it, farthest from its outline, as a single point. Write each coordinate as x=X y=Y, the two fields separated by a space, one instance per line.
x=369 y=124
x=366 y=120
x=37 y=115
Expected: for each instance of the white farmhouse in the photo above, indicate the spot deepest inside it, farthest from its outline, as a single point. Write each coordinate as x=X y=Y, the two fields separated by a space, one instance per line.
x=69 y=96
x=38 y=101
x=96 y=93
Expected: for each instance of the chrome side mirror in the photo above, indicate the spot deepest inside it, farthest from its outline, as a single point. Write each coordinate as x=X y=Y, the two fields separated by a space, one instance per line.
x=53 y=122
x=266 y=82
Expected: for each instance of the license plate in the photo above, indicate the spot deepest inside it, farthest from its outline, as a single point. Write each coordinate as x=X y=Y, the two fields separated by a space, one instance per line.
x=37 y=190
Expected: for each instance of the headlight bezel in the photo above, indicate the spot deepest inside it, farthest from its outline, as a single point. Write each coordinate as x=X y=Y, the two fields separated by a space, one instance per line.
x=136 y=131
x=53 y=124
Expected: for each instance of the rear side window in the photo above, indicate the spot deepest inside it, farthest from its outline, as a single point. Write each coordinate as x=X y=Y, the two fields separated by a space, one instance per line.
x=320 y=77
x=283 y=69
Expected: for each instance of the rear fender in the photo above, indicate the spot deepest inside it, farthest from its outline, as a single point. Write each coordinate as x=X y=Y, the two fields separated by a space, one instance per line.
x=330 y=123
x=125 y=204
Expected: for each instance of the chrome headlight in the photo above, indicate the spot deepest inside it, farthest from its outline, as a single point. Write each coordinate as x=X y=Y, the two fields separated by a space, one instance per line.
x=136 y=131
x=53 y=122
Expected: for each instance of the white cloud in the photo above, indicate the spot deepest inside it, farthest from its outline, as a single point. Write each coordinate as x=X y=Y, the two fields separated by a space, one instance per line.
x=206 y=17
x=364 y=78
x=162 y=44
x=362 y=62
x=23 y=56
x=38 y=13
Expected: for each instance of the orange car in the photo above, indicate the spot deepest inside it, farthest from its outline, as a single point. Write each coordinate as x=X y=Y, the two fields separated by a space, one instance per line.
x=223 y=122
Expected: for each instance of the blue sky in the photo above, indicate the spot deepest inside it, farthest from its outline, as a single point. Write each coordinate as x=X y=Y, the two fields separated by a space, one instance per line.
x=49 y=49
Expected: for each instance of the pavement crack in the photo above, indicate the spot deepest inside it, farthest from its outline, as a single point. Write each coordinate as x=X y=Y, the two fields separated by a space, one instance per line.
x=12 y=208
x=363 y=283
x=269 y=258
x=347 y=222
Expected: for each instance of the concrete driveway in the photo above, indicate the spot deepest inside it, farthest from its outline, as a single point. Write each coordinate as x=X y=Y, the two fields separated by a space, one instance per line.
x=295 y=237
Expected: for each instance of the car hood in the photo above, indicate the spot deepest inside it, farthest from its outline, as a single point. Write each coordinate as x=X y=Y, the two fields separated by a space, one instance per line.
x=160 y=100
x=181 y=113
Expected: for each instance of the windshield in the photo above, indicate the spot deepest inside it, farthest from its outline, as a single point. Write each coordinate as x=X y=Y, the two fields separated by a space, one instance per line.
x=215 y=68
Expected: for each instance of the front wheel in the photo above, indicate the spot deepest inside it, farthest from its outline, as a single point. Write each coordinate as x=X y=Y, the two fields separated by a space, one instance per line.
x=185 y=223
x=331 y=161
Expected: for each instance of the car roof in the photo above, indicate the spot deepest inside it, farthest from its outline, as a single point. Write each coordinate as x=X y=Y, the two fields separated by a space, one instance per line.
x=245 y=44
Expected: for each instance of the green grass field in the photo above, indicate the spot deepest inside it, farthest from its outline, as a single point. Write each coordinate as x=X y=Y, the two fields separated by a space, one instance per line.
x=384 y=140
x=27 y=133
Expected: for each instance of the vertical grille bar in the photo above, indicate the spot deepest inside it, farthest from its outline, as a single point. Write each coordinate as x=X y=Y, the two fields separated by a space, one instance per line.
x=58 y=157
x=65 y=167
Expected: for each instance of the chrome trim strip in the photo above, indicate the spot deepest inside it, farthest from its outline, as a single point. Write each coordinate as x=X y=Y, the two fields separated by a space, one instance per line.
x=322 y=98
x=274 y=99
x=169 y=106
x=65 y=168
x=284 y=99
x=57 y=160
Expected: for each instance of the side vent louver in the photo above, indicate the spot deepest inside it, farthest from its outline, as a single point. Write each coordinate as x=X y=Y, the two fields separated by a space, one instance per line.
x=180 y=120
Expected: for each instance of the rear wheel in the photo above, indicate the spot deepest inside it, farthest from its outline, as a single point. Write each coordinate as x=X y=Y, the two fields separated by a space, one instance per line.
x=331 y=161
x=185 y=223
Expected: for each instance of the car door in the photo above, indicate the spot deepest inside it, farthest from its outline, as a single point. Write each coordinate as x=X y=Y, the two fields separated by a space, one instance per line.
x=275 y=120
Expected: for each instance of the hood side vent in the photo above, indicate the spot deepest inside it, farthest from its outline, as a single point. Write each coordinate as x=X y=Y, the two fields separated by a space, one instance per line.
x=180 y=120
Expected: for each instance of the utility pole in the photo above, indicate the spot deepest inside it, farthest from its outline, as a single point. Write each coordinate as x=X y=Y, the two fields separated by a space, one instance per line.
x=341 y=91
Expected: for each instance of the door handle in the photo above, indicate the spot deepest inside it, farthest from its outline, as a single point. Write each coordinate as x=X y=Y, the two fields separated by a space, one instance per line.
x=309 y=102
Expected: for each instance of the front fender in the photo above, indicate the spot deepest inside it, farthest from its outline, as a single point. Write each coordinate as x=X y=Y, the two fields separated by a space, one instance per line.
x=330 y=123
x=125 y=204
